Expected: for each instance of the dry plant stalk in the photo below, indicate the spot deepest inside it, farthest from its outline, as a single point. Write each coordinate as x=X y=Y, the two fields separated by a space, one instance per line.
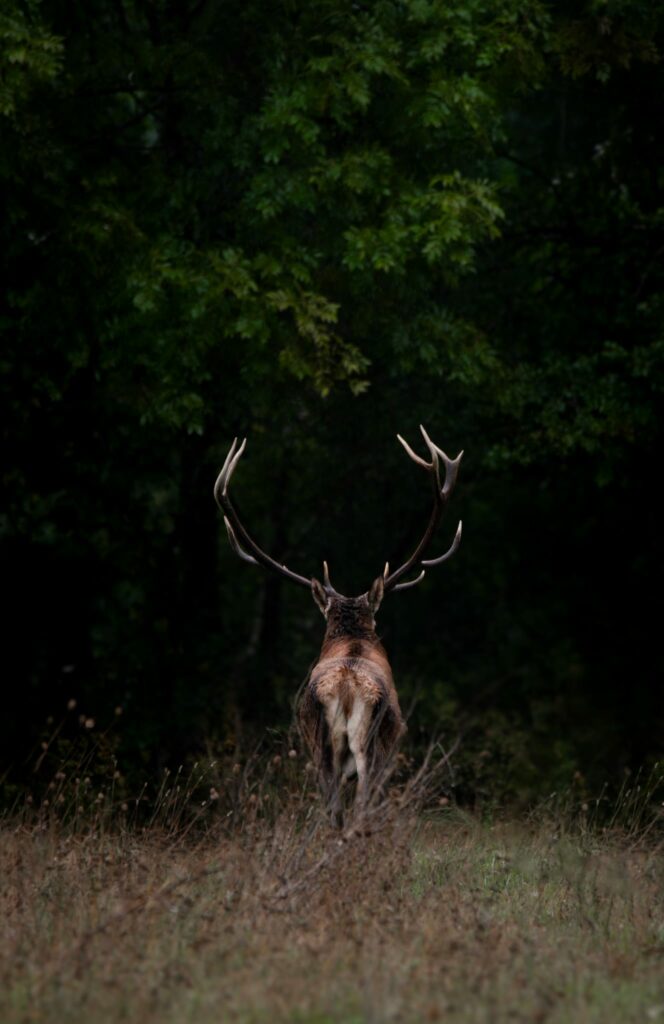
x=414 y=912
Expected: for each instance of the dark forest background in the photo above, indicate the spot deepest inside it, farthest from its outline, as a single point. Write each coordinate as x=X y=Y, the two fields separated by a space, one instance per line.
x=315 y=224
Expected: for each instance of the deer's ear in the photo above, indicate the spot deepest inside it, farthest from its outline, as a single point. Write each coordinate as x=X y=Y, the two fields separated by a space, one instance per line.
x=320 y=596
x=376 y=594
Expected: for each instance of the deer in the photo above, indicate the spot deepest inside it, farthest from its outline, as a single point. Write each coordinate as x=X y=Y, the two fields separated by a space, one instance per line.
x=348 y=712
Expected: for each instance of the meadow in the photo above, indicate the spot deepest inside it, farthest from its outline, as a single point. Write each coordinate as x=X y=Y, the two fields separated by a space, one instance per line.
x=226 y=896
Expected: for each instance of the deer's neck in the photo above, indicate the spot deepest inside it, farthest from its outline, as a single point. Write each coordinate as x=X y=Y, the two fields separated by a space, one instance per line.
x=348 y=626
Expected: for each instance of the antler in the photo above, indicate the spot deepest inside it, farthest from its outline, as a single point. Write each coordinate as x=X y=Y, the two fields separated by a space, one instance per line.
x=240 y=541
x=441 y=494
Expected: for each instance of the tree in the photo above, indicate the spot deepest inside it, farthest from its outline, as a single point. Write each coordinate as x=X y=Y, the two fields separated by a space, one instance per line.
x=317 y=225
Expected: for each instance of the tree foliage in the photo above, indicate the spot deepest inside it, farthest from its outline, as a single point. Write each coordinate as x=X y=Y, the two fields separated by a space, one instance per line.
x=317 y=223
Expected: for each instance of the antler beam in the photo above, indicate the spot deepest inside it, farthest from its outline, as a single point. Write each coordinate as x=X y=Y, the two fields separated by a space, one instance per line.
x=240 y=540
x=441 y=495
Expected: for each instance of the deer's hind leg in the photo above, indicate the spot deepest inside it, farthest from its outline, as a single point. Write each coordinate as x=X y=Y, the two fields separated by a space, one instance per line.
x=358 y=729
x=338 y=738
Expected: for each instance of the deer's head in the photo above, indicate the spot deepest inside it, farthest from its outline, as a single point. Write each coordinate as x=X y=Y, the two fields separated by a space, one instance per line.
x=347 y=616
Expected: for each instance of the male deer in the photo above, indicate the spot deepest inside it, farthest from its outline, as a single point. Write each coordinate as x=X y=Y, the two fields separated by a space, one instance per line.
x=349 y=712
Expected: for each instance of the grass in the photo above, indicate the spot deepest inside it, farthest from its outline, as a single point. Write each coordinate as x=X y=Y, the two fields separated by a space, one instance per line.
x=260 y=912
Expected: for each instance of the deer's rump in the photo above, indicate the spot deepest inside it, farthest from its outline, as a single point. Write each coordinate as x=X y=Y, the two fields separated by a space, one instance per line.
x=349 y=707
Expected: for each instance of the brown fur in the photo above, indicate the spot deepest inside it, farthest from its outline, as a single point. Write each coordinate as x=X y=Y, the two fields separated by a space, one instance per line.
x=349 y=711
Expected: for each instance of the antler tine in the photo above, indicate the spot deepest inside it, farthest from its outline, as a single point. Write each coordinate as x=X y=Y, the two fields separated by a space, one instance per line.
x=414 y=456
x=411 y=583
x=221 y=479
x=441 y=494
x=235 y=546
x=448 y=554
x=233 y=463
x=451 y=465
x=451 y=471
x=227 y=470
x=326 y=580
x=240 y=540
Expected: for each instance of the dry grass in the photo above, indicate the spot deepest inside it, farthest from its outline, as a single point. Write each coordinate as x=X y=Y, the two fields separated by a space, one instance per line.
x=268 y=915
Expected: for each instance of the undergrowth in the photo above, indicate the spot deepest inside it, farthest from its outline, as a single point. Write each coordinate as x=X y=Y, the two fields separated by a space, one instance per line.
x=222 y=893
